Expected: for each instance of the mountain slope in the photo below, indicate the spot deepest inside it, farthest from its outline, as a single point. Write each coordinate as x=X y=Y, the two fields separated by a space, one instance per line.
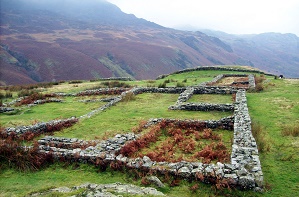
x=73 y=39
x=272 y=52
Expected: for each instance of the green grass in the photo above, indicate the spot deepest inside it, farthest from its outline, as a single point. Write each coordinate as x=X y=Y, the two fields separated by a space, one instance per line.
x=15 y=183
x=274 y=108
x=57 y=175
x=210 y=98
x=49 y=111
x=125 y=115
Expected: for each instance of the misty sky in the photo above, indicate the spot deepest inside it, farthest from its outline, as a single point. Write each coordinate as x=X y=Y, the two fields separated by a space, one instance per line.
x=231 y=16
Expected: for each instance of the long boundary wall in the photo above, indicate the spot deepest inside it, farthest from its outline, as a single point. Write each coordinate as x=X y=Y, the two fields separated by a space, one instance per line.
x=214 y=68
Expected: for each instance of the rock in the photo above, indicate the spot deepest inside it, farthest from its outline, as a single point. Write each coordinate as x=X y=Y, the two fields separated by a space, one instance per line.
x=62 y=190
x=246 y=182
x=242 y=172
x=155 y=180
x=184 y=172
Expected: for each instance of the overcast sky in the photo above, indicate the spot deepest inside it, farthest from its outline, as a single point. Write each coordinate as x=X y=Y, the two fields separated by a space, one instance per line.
x=231 y=16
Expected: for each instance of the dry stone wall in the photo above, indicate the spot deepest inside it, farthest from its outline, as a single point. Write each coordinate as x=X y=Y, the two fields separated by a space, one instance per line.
x=41 y=127
x=114 y=79
x=244 y=149
x=52 y=100
x=203 y=107
x=188 y=93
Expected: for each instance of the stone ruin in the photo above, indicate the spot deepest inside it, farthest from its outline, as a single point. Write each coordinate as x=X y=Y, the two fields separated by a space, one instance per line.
x=244 y=171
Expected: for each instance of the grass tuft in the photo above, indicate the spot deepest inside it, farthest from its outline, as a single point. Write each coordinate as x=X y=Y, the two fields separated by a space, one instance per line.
x=290 y=130
x=258 y=133
x=130 y=96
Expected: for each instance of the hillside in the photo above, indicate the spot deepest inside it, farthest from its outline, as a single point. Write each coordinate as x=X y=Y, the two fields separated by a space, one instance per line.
x=273 y=52
x=87 y=116
x=58 y=40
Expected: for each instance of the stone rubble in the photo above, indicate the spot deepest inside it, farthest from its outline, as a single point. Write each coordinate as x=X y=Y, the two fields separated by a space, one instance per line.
x=107 y=190
x=6 y=109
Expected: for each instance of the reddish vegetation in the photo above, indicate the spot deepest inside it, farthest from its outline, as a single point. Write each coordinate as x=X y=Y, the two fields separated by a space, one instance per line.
x=22 y=158
x=31 y=98
x=183 y=140
x=14 y=154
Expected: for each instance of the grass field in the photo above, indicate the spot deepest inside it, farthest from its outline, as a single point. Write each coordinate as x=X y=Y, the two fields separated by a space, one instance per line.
x=49 y=111
x=275 y=109
x=126 y=115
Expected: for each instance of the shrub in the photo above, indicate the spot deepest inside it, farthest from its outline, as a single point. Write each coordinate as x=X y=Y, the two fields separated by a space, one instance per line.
x=259 y=83
x=259 y=87
x=75 y=81
x=115 y=84
x=13 y=154
x=259 y=79
x=31 y=86
x=31 y=98
x=179 y=85
x=167 y=81
x=6 y=95
x=26 y=92
x=162 y=85
x=130 y=96
x=150 y=81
